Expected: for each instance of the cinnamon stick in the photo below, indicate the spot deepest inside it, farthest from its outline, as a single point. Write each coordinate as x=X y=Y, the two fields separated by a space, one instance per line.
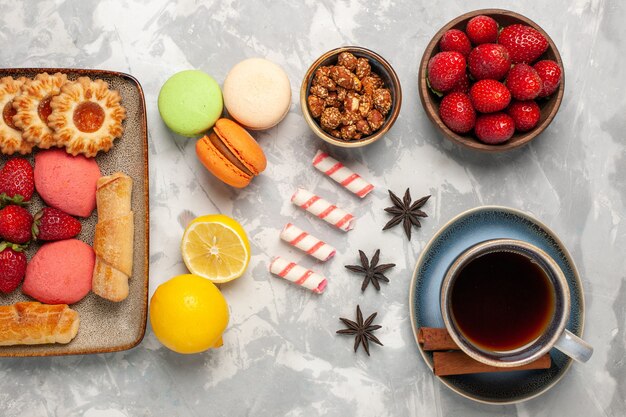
x=458 y=363
x=433 y=338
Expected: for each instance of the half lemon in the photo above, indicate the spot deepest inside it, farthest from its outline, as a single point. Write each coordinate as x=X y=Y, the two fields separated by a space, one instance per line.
x=215 y=247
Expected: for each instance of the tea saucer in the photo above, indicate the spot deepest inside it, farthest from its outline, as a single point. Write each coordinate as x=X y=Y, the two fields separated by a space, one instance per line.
x=463 y=231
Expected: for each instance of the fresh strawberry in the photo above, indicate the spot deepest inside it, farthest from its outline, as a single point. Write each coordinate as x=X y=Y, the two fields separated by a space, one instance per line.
x=550 y=74
x=12 y=267
x=54 y=224
x=445 y=70
x=489 y=96
x=462 y=86
x=525 y=114
x=455 y=40
x=17 y=181
x=482 y=29
x=524 y=43
x=489 y=61
x=15 y=224
x=523 y=82
x=457 y=113
x=494 y=128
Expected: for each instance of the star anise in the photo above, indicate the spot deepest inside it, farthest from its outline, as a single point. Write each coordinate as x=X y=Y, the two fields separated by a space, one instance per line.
x=362 y=330
x=405 y=212
x=372 y=271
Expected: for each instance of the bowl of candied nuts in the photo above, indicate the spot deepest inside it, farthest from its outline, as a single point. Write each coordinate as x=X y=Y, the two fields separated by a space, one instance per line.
x=350 y=96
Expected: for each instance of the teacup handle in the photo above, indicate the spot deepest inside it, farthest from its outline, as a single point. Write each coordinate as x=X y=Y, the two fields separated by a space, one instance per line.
x=574 y=347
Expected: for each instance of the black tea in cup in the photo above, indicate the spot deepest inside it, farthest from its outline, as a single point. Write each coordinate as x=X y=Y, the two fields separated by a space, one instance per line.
x=502 y=301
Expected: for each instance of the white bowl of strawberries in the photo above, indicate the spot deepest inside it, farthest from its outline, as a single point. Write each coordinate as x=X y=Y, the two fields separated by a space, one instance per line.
x=491 y=80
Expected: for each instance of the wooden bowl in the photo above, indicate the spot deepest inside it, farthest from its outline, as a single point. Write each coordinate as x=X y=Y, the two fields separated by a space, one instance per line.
x=381 y=67
x=430 y=100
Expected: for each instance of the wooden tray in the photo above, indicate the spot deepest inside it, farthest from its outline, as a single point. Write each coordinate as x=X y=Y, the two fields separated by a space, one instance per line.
x=105 y=326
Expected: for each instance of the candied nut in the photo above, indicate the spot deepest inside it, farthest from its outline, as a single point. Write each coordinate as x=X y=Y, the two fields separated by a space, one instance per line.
x=382 y=100
x=347 y=60
x=363 y=127
x=356 y=83
x=342 y=76
x=326 y=82
x=358 y=135
x=333 y=132
x=351 y=103
x=348 y=132
x=322 y=72
x=332 y=100
x=365 y=105
x=349 y=118
x=363 y=68
x=331 y=118
x=374 y=118
x=342 y=93
x=318 y=90
x=316 y=106
x=371 y=83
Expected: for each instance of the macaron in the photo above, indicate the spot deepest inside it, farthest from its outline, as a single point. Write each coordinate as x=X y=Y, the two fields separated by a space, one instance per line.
x=190 y=102
x=231 y=154
x=257 y=93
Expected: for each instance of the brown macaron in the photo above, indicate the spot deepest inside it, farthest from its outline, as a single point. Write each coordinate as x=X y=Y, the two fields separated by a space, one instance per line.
x=231 y=154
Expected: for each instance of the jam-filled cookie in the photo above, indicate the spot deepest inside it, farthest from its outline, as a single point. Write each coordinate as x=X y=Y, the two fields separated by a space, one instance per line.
x=33 y=108
x=86 y=117
x=11 y=140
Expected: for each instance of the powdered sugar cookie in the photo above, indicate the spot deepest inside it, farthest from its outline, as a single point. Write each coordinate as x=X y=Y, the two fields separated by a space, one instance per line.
x=11 y=140
x=86 y=117
x=33 y=108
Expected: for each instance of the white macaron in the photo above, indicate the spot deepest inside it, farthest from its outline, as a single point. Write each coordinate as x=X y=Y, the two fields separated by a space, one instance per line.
x=257 y=93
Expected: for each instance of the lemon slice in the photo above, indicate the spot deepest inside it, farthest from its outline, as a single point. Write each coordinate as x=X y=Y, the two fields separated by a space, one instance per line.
x=215 y=247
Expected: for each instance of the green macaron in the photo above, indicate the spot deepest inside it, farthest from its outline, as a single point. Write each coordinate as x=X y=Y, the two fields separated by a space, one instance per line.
x=190 y=102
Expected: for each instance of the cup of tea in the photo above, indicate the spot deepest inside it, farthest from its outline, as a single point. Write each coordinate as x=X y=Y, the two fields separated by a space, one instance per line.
x=506 y=302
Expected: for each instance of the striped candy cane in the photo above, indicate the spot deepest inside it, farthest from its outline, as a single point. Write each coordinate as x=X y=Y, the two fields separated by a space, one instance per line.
x=342 y=174
x=321 y=208
x=298 y=275
x=307 y=243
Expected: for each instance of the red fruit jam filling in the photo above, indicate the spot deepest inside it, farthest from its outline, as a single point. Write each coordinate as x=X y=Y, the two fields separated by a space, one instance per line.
x=44 y=109
x=7 y=114
x=88 y=116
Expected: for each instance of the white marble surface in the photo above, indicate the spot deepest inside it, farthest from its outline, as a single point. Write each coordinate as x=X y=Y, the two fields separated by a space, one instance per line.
x=281 y=356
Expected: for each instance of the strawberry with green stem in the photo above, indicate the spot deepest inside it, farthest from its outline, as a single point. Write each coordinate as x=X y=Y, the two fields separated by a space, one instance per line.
x=53 y=224
x=15 y=224
x=17 y=181
x=12 y=266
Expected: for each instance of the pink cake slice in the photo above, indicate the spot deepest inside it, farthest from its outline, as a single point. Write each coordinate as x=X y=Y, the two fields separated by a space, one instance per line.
x=60 y=272
x=67 y=182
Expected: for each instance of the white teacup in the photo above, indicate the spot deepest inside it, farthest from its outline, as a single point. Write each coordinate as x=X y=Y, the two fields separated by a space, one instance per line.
x=554 y=333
